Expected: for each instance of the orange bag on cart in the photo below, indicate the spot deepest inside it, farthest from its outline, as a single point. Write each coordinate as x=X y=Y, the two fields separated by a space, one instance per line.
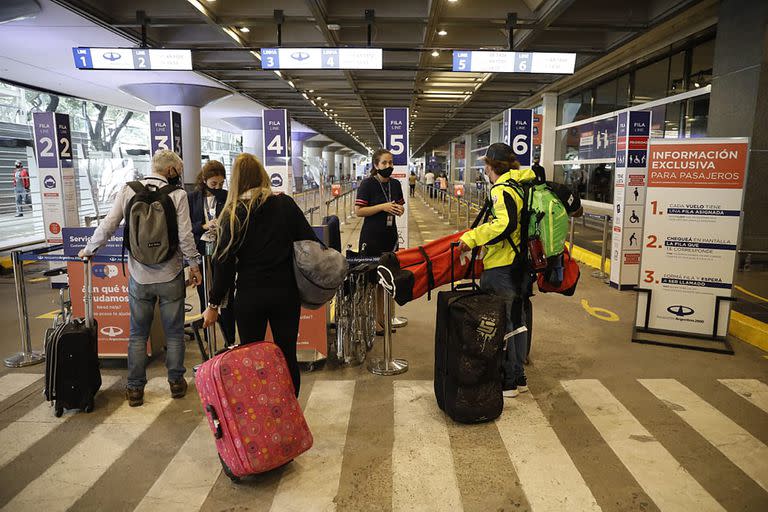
x=420 y=270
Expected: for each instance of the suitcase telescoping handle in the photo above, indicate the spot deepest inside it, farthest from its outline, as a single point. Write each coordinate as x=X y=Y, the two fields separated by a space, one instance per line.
x=88 y=292
x=470 y=270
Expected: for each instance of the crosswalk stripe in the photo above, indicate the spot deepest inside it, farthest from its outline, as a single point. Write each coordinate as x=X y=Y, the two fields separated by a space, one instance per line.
x=535 y=450
x=62 y=484
x=752 y=390
x=423 y=475
x=311 y=482
x=662 y=477
x=741 y=447
x=188 y=478
x=12 y=383
x=17 y=437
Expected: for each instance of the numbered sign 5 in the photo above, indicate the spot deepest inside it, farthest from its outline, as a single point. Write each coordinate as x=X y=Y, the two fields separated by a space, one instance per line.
x=396 y=134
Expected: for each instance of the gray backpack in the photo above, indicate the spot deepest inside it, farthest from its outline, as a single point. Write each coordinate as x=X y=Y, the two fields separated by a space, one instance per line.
x=319 y=272
x=151 y=232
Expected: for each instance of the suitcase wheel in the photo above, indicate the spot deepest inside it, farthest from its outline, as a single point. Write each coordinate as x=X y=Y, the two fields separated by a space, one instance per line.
x=88 y=407
x=58 y=411
x=228 y=472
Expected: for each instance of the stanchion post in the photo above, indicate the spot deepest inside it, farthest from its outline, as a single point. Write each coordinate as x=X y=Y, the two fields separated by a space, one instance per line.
x=604 y=248
x=387 y=365
x=27 y=357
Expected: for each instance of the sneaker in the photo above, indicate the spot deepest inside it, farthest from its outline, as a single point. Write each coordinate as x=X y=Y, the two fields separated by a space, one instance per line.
x=522 y=385
x=20 y=215
x=178 y=388
x=510 y=392
x=135 y=397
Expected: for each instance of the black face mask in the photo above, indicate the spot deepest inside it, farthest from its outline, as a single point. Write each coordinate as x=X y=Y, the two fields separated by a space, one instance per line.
x=210 y=190
x=386 y=172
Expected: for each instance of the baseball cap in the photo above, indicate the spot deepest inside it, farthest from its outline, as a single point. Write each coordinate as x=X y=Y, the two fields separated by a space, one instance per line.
x=500 y=151
x=17 y=163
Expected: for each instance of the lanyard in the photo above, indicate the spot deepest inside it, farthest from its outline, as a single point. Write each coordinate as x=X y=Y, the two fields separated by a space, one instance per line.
x=210 y=207
x=388 y=192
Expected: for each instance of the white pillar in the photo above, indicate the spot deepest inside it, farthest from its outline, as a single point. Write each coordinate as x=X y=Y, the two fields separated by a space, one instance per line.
x=548 y=139
x=190 y=137
x=253 y=143
x=329 y=157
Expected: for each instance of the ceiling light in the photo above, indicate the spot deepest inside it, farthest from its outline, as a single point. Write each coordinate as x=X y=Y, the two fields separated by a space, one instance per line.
x=291 y=84
x=244 y=30
x=256 y=54
x=435 y=53
x=324 y=104
x=311 y=91
x=442 y=33
x=319 y=97
x=278 y=73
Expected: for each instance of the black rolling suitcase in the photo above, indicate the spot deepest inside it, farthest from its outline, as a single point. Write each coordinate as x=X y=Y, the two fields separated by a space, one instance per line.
x=334 y=231
x=72 y=375
x=469 y=344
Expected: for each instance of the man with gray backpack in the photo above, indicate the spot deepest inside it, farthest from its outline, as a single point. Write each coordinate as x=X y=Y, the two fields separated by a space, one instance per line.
x=157 y=232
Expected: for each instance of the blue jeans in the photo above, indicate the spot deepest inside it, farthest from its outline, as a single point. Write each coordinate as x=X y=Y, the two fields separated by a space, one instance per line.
x=142 y=299
x=506 y=283
x=21 y=197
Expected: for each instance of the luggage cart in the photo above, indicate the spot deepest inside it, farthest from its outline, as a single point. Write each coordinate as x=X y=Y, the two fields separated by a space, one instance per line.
x=355 y=307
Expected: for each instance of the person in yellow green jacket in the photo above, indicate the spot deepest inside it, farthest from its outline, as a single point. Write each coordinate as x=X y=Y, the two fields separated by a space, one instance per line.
x=505 y=273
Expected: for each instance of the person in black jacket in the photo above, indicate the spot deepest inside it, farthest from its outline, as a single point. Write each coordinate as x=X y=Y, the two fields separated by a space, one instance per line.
x=205 y=205
x=255 y=241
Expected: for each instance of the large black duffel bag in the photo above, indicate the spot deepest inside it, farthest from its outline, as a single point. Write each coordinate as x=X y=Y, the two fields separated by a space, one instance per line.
x=469 y=344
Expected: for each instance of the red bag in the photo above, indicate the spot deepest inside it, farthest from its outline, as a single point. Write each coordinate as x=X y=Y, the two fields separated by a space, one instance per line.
x=571 y=275
x=419 y=270
x=249 y=399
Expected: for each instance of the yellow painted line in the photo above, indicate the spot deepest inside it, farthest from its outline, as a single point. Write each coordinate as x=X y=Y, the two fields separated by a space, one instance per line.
x=747 y=292
x=38 y=279
x=589 y=258
x=749 y=330
x=600 y=313
x=48 y=316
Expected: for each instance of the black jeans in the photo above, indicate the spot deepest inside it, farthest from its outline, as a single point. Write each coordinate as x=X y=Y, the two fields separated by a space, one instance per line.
x=282 y=309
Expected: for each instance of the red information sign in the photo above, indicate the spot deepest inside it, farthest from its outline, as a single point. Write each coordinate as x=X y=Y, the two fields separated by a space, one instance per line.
x=698 y=165
x=336 y=190
x=458 y=190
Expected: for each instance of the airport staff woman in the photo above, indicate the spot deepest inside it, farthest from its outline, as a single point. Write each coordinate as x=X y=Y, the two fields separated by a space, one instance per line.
x=205 y=205
x=379 y=201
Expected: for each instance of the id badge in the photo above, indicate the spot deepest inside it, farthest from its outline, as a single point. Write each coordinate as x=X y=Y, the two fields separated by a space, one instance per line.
x=390 y=221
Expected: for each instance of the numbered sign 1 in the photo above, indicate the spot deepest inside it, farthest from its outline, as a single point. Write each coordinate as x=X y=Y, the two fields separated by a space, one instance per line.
x=396 y=134
x=520 y=134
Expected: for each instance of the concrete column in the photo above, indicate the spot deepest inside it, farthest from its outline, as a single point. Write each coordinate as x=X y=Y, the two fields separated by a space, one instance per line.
x=496 y=135
x=548 y=139
x=469 y=161
x=340 y=154
x=253 y=134
x=329 y=157
x=737 y=106
x=186 y=99
x=297 y=156
x=313 y=154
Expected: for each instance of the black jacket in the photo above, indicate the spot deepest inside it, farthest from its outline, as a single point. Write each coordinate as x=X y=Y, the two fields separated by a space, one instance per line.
x=197 y=213
x=262 y=257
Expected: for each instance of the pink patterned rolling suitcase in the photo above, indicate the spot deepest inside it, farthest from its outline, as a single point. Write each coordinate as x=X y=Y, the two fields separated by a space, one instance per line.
x=248 y=397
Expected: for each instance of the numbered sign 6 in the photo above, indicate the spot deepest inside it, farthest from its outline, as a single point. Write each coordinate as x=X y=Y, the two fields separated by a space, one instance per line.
x=521 y=134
